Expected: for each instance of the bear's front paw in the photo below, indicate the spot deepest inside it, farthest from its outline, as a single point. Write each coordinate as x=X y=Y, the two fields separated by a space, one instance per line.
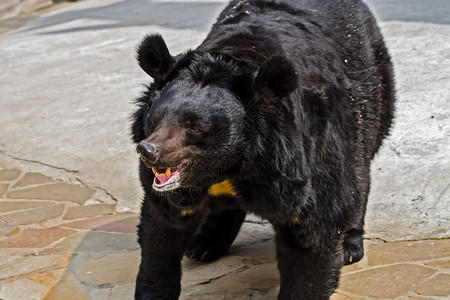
x=152 y=295
x=145 y=292
x=353 y=248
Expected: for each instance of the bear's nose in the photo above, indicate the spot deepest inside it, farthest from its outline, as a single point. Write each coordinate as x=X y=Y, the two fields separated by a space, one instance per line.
x=148 y=151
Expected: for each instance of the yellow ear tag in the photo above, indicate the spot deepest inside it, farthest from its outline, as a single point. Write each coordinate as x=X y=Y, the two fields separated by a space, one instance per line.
x=296 y=220
x=222 y=188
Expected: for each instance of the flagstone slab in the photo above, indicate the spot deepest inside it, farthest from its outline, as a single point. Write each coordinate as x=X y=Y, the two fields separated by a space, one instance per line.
x=48 y=278
x=61 y=191
x=89 y=211
x=438 y=286
x=3 y=188
x=35 y=238
x=10 y=205
x=338 y=296
x=68 y=288
x=117 y=292
x=111 y=269
x=8 y=255
x=222 y=295
x=97 y=222
x=127 y=225
x=32 y=179
x=21 y=289
x=392 y=252
x=5 y=228
x=385 y=282
x=272 y=294
x=351 y=268
x=29 y=264
x=103 y=294
x=204 y=273
x=444 y=264
x=123 y=291
x=93 y=241
x=68 y=245
x=33 y=215
x=259 y=277
x=9 y=174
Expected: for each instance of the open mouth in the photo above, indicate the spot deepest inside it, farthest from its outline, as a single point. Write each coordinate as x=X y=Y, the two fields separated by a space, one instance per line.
x=168 y=179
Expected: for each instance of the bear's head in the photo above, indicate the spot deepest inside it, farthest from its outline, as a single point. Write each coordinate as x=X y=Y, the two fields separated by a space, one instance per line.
x=192 y=127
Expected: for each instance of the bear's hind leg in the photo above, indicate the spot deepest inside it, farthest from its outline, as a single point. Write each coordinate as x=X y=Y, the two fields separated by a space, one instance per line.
x=309 y=267
x=216 y=235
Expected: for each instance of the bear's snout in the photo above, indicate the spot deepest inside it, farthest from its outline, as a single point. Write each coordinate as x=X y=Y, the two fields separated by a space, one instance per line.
x=148 y=152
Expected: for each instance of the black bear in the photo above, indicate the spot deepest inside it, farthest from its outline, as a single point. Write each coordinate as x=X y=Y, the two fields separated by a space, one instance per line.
x=279 y=113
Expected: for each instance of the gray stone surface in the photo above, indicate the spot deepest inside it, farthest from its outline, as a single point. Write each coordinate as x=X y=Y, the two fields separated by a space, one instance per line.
x=68 y=78
x=76 y=66
x=113 y=268
x=431 y=11
x=410 y=196
x=95 y=242
x=118 y=292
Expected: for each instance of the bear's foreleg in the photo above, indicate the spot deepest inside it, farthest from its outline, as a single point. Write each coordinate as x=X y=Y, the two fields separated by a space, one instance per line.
x=162 y=247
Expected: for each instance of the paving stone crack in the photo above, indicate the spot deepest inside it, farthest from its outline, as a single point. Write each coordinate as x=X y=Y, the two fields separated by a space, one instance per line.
x=40 y=163
x=76 y=172
x=406 y=241
x=99 y=188
x=378 y=239
x=241 y=269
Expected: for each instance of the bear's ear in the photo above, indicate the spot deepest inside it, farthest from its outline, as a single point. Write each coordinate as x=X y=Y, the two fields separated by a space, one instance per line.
x=154 y=57
x=276 y=79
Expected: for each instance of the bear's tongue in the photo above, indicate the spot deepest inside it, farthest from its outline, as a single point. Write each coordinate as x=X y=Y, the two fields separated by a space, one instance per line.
x=162 y=175
x=166 y=178
x=162 y=179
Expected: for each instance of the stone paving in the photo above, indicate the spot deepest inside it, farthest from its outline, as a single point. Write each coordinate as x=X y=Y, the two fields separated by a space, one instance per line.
x=59 y=241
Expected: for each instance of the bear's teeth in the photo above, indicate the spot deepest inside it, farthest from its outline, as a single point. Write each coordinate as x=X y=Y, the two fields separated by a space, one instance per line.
x=159 y=172
x=155 y=171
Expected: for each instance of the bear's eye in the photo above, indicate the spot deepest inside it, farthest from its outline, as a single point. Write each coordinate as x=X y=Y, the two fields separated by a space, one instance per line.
x=155 y=120
x=194 y=127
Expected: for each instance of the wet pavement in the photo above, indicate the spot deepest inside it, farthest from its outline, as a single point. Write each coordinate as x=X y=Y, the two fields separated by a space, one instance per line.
x=69 y=193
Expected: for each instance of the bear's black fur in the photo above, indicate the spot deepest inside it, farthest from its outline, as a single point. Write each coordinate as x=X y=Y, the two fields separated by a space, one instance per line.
x=279 y=113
